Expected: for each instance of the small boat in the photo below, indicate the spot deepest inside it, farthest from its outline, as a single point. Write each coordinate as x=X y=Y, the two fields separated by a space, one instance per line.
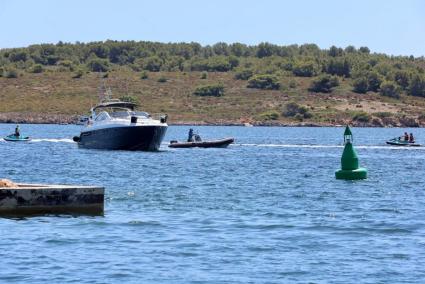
x=221 y=143
x=399 y=141
x=14 y=138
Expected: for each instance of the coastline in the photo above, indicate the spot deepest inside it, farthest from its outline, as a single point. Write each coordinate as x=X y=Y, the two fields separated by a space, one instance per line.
x=40 y=118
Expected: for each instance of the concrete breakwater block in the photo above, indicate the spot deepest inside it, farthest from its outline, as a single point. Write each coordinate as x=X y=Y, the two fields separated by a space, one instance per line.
x=33 y=199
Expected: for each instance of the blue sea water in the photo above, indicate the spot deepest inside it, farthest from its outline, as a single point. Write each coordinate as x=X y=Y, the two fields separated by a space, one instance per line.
x=268 y=209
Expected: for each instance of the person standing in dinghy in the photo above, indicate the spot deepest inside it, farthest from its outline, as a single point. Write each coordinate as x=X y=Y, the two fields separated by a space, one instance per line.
x=190 y=135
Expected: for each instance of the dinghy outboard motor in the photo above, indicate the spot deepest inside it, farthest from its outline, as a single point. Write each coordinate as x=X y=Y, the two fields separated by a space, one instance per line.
x=134 y=119
x=76 y=138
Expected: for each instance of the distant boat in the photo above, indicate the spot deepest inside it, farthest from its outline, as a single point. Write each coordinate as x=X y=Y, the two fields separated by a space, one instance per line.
x=399 y=141
x=14 y=138
x=221 y=143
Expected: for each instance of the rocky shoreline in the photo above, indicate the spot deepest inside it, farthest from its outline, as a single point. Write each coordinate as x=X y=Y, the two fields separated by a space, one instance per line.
x=41 y=118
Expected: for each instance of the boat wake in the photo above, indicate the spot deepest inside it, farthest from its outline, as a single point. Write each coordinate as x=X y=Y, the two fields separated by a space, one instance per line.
x=60 y=140
x=329 y=146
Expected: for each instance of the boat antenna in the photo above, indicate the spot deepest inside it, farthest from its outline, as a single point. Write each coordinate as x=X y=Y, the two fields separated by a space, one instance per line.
x=105 y=93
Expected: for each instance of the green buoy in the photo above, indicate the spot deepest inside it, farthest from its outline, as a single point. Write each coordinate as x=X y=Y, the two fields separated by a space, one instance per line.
x=350 y=169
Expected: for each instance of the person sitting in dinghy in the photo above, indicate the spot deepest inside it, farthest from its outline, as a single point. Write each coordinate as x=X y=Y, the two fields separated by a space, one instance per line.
x=411 y=138
x=406 y=136
x=17 y=131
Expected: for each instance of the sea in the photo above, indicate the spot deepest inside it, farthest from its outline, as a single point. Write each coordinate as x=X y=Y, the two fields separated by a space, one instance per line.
x=267 y=209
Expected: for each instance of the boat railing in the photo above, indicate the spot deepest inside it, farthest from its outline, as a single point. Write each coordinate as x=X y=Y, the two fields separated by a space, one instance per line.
x=159 y=116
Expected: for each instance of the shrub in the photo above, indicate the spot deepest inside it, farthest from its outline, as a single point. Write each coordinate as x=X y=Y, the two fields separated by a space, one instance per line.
x=98 y=65
x=324 y=84
x=383 y=114
x=270 y=115
x=78 y=74
x=204 y=75
x=66 y=64
x=37 y=68
x=361 y=117
x=360 y=85
x=292 y=84
x=214 y=90
x=305 y=69
x=390 y=89
x=130 y=99
x=244 y=74
x=293 y=109
x=144 y=75
x=162 y=79
x=11 y=73
x=265 y=82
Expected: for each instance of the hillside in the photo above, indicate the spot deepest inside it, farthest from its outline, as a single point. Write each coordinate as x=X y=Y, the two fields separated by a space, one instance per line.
x=264 y=84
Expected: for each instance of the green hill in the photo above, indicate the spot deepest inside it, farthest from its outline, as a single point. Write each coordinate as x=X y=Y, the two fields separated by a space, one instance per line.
x=236 y=83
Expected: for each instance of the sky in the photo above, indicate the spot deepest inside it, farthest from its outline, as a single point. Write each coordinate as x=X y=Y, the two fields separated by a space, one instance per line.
x=385 y=26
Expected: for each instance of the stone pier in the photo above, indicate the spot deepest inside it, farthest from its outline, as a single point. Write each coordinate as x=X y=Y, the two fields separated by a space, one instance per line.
x=34 y=199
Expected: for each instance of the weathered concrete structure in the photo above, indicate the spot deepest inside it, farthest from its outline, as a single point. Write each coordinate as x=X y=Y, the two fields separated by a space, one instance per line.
x=33 y=199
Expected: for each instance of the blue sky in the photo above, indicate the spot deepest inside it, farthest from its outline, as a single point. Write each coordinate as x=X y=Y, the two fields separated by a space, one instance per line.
x=392 y=27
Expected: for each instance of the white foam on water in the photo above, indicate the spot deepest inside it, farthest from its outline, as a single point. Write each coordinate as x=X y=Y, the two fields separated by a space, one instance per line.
x=53 y=140
x=330 y=146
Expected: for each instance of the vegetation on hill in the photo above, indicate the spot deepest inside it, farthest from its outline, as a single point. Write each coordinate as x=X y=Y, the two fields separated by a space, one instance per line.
x=261 y=78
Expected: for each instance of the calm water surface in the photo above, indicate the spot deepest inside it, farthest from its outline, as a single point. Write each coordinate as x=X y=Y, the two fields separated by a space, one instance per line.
x=265 y=210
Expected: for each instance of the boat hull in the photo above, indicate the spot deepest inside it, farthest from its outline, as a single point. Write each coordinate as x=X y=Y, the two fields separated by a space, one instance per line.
x=133 y=138
x=222 y=143
x=403 y=144
x=13 y=138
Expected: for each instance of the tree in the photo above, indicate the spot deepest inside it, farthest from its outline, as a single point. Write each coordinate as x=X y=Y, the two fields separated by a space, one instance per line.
x=305 y=69
x=390 y=89
x=19 y=55
x=100 y=50
x=324 y=84
x=360 y=85
x=265 y=82
x=364 y=49
x=417 y=86
x=265 y=49
x=374 y=81
x=402 y=78
x=350 y=49
x=335 y=51
x=152 y=64
x=98 y=65
x=337 y=66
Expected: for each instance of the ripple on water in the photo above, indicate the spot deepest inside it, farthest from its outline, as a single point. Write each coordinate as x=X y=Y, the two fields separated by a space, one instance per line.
x=266 y=210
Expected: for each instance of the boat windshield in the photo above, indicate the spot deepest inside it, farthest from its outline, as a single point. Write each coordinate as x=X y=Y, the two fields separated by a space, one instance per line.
x=102 y=116
x=120 y=113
